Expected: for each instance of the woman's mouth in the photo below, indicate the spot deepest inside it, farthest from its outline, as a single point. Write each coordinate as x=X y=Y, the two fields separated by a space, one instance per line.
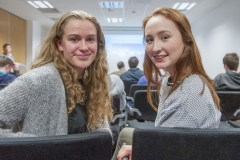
x=159 y=57
x=83 y=56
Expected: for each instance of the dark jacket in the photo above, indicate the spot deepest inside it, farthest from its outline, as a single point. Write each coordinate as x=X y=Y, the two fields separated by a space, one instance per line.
x=229 y=81
x=6 y=78
x=133 y=74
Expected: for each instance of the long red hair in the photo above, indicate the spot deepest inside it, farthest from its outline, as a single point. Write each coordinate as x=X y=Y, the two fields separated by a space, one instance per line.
x=189 y=63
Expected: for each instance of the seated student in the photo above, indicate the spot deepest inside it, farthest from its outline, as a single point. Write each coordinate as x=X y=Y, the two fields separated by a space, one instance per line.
x=188 y=98
x=67 y=90
x=134 y=73
x=121 y=67
x=7 y=52
x=117 y=89
x=229 y=81
x=142 y=80
x=6 y=64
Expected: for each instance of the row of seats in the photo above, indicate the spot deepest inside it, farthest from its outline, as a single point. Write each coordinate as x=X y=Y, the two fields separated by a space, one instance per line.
x=229 y=101
x=142 y=111
x=149 y=143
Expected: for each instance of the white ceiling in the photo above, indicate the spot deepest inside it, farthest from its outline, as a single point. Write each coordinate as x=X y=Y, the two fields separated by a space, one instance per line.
x=141 y=8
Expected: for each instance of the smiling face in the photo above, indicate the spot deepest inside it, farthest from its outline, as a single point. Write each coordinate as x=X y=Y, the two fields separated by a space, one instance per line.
x=164 y=44
x=79 y=44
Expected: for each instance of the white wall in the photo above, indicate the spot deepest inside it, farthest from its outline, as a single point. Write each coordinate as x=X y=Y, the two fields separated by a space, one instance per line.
x=218 y=33
x=35 y=35
x=33 y=41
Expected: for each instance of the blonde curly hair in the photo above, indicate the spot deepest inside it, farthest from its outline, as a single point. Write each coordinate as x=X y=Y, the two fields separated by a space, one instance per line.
x=96 y=85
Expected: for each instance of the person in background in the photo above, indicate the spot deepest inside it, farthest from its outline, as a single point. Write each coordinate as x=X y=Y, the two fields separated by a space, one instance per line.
x=117 y=89
x=7 y=52
x=188 y=97
x=229 y=81
x=67 y=89
x=6 y=64
x=121 y=67
x=134 y=73
x=142 y=80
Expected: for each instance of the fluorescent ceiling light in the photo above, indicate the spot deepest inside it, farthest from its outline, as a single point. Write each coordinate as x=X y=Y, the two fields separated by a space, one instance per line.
x=111 y=4
x=114 y=20
x=191 y=6
x=33 y=4
x=176 y=5
x=183 y=6
x=40 y=4
x=48 y=4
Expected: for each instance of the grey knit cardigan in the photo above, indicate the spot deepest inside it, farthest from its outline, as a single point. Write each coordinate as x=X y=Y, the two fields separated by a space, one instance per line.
x=37 y=100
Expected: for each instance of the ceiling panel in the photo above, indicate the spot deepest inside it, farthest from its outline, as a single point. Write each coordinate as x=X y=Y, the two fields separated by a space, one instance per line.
x=141 y=8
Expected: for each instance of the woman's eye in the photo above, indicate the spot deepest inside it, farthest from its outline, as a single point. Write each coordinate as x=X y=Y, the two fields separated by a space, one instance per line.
x=74 y=39
x=164 y=37
x=148 y=40
x=90 y=39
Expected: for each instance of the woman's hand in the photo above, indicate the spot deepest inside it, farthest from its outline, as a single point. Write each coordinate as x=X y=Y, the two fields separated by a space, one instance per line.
x=125 y=151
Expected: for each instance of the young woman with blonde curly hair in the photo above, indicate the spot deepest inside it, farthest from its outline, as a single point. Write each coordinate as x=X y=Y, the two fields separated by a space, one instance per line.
x=67 y=89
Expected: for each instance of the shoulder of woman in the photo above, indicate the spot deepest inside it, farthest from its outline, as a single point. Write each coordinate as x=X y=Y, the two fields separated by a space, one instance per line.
x=195 y=83
x=47 y=73
x=193 y=79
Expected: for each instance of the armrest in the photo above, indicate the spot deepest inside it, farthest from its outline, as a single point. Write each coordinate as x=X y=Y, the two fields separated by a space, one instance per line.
x=234 y=124
x=129 y=110
x=236 y=113
x=133 y=110
x=129 y=98
x=118 y=116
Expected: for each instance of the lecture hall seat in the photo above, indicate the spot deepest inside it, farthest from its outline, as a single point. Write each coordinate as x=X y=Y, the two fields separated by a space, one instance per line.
x=86 y=146
x=186 y=144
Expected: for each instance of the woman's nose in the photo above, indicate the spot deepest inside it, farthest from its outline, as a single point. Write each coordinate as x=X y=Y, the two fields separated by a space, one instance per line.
x=83 y=45
x=157 y=46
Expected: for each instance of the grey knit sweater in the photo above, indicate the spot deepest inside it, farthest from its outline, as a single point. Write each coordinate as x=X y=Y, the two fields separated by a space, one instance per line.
x=186 y=108
x=37 y=100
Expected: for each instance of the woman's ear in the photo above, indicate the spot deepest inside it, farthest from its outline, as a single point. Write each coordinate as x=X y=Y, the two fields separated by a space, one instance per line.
x=59 y=46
